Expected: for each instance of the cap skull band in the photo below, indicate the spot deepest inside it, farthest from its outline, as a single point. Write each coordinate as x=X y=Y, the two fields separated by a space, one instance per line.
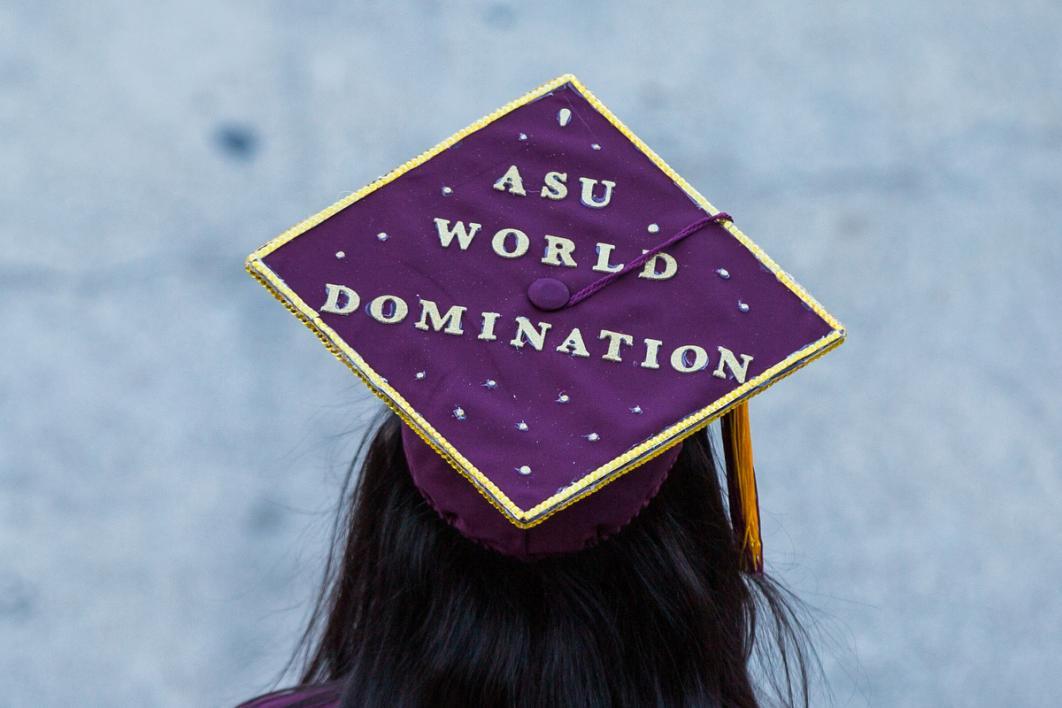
x=550 y=309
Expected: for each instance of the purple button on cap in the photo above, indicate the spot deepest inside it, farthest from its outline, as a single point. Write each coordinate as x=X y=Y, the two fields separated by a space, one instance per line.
x=548 y=294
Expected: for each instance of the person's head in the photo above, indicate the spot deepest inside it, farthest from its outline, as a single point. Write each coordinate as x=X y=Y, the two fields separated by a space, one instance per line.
x=412 y=613
x=545 y=394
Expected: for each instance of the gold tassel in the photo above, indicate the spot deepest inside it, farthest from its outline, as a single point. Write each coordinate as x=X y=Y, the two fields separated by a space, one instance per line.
x=741 y=487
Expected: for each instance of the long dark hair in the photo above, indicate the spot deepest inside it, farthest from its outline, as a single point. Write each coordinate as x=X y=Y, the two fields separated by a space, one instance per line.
x=411 y=613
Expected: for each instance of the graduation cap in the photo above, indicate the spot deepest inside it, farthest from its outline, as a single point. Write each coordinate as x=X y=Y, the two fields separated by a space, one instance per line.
x=550 y=308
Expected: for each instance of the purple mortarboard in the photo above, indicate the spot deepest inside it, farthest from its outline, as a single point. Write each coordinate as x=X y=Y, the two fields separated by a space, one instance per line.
x=550 y=309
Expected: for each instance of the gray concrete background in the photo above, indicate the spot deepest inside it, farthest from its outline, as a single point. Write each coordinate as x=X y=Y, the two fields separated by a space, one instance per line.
x=171 y=440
